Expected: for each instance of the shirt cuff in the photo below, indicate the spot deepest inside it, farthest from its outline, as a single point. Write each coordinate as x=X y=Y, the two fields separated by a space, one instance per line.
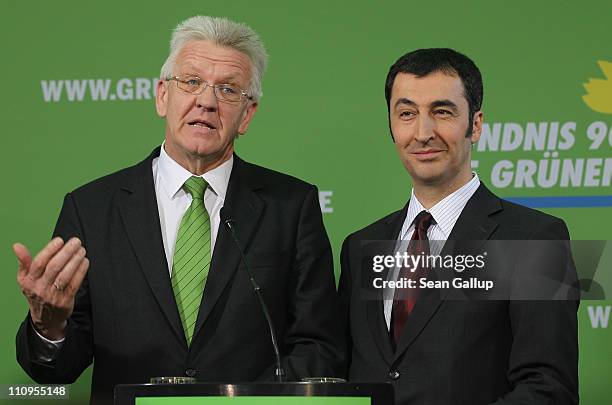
x=45 y=350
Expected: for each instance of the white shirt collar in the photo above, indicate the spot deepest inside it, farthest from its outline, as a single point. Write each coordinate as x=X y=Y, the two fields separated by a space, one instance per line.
x=172 y=175
x=445 y=212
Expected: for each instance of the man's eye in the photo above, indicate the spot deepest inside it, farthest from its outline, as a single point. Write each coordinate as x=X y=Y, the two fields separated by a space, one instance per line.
x=192 y=82
x=406 y=114
x=228 y=89
x=442 y=112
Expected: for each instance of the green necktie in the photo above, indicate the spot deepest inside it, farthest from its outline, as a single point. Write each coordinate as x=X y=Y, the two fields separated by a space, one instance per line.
x=191 y=256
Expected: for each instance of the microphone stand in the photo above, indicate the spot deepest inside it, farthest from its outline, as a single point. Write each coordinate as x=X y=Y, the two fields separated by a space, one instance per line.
x=279 y=372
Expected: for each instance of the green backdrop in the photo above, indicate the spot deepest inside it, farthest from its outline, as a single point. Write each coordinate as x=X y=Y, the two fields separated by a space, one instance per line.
x=322 y=117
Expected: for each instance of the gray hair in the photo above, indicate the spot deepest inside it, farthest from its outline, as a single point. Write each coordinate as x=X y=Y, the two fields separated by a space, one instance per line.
x=222 y=32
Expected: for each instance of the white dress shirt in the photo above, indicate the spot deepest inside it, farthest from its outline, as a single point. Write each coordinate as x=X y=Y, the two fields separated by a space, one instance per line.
x=445 y=214
x=172 y=202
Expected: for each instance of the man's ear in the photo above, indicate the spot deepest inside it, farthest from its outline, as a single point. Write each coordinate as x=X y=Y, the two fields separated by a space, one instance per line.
x=476 y=126
x=248 y=116
x=390 y=129
x=161 y=98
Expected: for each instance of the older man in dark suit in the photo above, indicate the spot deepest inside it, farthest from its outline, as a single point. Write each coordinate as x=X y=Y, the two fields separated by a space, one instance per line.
x=161 y=290
x=440 y=350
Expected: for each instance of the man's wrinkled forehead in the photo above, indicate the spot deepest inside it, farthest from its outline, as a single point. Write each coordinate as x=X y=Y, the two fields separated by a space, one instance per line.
x=197 y=54
x=431 y=89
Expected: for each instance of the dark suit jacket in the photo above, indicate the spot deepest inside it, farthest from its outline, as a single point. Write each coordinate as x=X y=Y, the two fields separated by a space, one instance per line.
x=126 y=318
x=465 y=352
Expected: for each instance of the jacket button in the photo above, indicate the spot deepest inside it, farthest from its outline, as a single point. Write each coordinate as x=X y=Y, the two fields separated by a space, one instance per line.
x=394 y=374
x=190 y=372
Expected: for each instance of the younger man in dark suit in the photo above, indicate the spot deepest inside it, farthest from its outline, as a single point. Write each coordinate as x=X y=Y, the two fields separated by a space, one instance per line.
x=440 y=351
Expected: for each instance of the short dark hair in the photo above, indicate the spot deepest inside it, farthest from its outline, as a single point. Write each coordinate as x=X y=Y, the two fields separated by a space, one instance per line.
x=425 y=61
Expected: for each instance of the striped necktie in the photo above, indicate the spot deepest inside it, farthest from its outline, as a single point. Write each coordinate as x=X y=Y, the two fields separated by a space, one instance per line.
x=191 y=256
x=404 y=302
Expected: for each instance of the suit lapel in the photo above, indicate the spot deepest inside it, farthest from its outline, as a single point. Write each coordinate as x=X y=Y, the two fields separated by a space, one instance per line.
x=474 y=224
x=245 y=208
x=388 y=230
x=140 y=215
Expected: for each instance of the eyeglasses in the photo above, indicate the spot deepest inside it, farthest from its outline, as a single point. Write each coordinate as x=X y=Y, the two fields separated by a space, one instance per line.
x=224 y=92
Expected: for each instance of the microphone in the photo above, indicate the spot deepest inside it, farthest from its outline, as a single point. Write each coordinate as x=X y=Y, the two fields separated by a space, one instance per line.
x=279 y=373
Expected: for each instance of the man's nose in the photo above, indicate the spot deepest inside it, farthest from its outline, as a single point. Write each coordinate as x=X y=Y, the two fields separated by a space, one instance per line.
x=425 y=129
x=207 y=99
